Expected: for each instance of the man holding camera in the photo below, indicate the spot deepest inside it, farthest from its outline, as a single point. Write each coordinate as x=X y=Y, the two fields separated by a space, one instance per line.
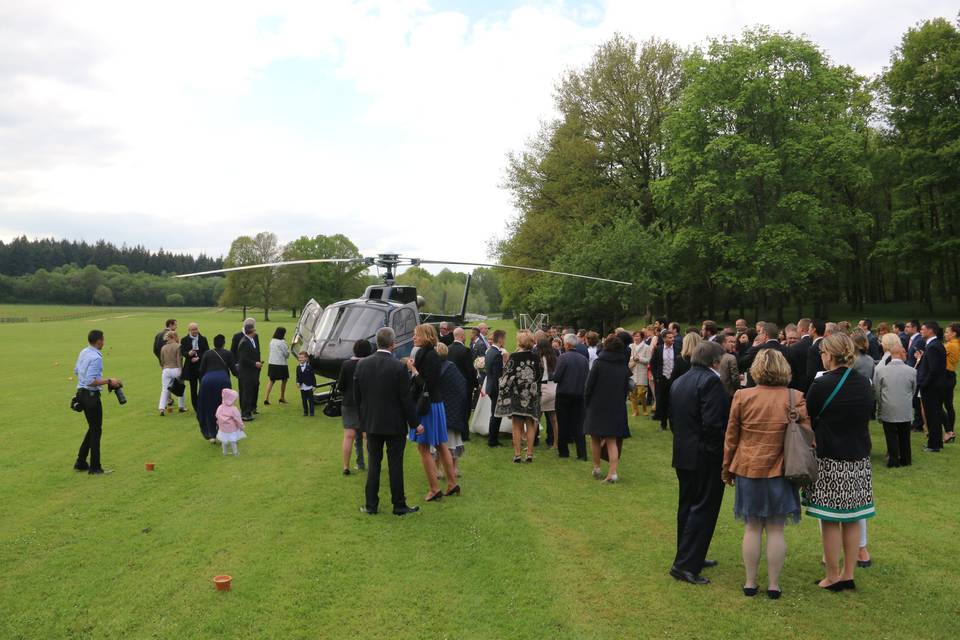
x=89 y=370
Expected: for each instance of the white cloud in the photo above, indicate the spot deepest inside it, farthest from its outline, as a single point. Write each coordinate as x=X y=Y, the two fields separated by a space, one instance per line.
x=132 y=114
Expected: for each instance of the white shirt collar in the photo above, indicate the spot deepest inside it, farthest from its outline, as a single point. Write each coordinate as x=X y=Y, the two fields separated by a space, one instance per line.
x=386 y=351
x=930 y=339
x=716 y=373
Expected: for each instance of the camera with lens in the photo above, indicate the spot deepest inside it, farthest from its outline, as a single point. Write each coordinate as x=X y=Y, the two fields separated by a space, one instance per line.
x=118 y=390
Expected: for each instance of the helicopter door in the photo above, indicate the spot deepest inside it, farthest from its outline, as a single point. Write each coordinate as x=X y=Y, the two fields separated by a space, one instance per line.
x=306 y=325
x=403 y=321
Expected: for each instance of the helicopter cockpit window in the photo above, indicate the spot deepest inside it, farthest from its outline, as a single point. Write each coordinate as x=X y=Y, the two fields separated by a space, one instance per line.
x=360 y=322
x=327 y=321
x=403 y=322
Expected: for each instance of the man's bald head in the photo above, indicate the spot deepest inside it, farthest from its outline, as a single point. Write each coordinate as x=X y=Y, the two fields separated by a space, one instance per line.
x=459 y=334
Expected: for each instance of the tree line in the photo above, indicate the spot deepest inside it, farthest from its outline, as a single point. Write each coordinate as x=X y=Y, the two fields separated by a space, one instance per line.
x=754 y=173
x=22 y=256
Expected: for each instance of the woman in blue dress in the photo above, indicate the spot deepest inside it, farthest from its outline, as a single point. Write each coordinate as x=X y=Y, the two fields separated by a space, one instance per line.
x=432 y=431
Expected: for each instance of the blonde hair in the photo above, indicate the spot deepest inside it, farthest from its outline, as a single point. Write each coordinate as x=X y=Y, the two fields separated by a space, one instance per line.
x=525 y=340
x=427 y=333
x=770 y=369
x=171 y=335
x=690 y=342
x=442 y=350
x=840 y=347
x=889 y=341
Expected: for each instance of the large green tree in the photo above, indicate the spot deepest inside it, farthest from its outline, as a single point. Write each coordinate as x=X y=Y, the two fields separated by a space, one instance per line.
x=253 y=287
x=325 y=283
x=921 y=91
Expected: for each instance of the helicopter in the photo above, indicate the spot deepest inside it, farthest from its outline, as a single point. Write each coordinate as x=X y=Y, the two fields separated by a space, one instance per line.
x=328 y=333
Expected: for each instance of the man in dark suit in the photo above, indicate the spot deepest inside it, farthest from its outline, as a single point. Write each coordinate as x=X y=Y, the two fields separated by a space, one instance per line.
x=931 y=379
x=248 y=365
x=460 y=355
x=571 y=378
x=161 y=338
x=874 y=350
x=766 y=339
x=699 y=409
x=667 y=366
x=235 y=341
x=192 y=347
x=446 y=335
x=382 y=392
x=493 y=366
x=797 y=355
x=814 y=363
x=915 y=345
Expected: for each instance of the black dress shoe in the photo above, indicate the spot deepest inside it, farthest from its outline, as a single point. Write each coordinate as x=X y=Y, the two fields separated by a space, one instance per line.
x=81 y=466
x=707 y=564
x=687 y=576
x=929 y=450
x=369 y=512
x=774 y=594
x=750 y=591
x=404 y=511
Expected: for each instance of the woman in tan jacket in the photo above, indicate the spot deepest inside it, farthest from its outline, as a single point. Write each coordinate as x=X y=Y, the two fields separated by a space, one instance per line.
x=169 y=369
x=753 y=460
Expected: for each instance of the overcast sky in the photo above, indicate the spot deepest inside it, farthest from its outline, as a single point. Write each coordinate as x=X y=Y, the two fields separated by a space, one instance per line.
x=185 y=124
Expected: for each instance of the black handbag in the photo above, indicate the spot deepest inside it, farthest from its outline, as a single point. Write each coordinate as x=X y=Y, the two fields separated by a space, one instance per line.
x=333 y=408
x=423 y=403
x=177 y=387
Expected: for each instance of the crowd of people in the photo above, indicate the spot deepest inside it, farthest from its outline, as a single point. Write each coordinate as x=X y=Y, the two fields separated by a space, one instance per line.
x=728 y=395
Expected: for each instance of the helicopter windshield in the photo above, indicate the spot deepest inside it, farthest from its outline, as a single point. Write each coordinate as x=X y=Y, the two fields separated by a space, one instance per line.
x=349 y=323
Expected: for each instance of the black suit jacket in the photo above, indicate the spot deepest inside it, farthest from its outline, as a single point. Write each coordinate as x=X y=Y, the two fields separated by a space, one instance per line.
x=493 y=365
x=381 y=389
x=191 y=370
x=933 y=366
x=752 y=354
x=814 y=364
x=462 y=357
x=447 y=339
x=656 y=361
x=797 y=357
x=699 y=408
x=235 y=342
x=306 y=376
x=247 y=357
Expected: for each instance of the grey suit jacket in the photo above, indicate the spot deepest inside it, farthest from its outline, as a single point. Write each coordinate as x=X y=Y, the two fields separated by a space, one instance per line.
x=894 y=385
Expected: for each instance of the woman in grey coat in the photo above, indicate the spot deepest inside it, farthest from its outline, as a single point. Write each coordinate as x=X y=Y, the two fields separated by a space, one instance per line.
x=894 y=386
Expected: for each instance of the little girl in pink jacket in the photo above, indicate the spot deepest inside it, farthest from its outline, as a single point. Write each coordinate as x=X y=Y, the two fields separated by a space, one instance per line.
x=229 y=423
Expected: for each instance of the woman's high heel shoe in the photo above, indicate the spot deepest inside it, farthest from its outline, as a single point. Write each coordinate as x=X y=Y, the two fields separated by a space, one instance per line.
x=750 y=591
x=517 y=459
x=435 y=497
x=455 y=491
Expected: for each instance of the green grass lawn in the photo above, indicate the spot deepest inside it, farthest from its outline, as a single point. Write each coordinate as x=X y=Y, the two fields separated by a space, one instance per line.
x=529 y=551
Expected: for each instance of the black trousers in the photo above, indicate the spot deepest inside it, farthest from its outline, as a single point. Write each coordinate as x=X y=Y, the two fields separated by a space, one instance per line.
x=93 y=412
x=395 y=446
x=948 y=389
x=932 y=401
x=493 y=436
x=306 y=397
x=897 y=435
x=570 y=425
x=249 y=387
x=194 y=385
x=701 y=494
x=663 y=400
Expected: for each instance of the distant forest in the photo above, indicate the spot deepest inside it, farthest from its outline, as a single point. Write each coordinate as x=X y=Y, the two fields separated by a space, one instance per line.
x=49 y=271
x=22 y=256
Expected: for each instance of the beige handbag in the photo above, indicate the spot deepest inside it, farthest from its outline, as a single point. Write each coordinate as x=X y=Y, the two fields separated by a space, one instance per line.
x=799 y=459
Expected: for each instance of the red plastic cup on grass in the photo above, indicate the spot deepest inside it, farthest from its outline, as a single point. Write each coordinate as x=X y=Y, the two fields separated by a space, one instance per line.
x=149 y=466
x=222 y=582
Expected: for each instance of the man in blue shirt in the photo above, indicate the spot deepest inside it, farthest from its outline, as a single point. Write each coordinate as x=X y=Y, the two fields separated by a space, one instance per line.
x=89 y=370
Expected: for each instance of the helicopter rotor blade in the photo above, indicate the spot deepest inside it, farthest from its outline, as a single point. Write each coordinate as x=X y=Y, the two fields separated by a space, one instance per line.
x=509 y=266
x=284 y=263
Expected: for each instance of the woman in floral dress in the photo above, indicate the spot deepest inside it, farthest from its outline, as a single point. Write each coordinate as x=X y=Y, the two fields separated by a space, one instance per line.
x=519 y=396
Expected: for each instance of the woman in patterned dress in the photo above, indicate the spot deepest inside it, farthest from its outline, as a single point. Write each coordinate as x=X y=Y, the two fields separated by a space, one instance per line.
x=519 y=397
x=840 y=402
